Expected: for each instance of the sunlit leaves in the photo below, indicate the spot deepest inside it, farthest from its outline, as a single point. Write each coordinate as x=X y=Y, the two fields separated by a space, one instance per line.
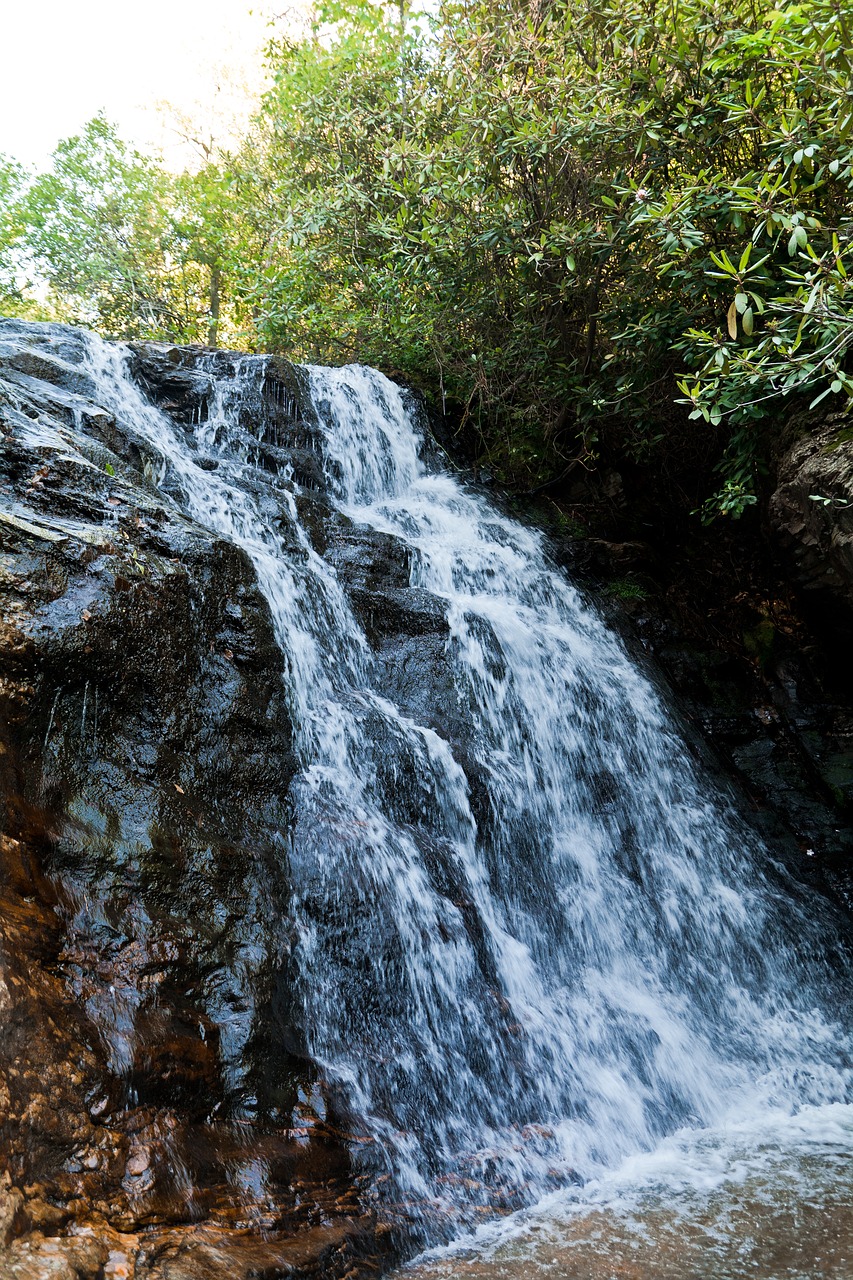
x=574 y=192
x=115 y=241
x=591 y=197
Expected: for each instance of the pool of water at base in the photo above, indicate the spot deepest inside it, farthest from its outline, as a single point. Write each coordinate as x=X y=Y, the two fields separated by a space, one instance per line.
x=777 y=1206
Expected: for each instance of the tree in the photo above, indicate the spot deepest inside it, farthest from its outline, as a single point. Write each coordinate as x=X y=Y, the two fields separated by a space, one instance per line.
x=124 y=245
x=97 y=232
x=605 y=227
x=542 y=208
x=14 y=300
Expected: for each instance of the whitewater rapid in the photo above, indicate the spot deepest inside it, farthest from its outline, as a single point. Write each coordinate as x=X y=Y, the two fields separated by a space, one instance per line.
x=534 y=949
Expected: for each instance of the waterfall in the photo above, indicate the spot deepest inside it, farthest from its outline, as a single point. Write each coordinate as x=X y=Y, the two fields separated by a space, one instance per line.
x=531 y=942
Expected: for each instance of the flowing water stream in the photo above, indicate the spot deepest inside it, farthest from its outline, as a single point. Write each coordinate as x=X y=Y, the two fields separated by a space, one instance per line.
x=552 y=969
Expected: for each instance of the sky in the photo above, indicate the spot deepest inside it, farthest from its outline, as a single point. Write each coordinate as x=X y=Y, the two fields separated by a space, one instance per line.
x=63 y=60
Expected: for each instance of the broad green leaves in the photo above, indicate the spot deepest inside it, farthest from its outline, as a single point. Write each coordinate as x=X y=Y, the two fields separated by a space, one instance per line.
x=570 y=194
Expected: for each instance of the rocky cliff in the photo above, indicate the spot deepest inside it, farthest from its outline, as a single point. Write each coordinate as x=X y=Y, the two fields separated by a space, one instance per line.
x=751 y=622
x=159 y=1117
x=811 y=513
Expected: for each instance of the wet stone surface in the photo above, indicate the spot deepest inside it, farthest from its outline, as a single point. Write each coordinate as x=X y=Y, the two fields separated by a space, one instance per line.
x=157 y=1116
x=758 y=664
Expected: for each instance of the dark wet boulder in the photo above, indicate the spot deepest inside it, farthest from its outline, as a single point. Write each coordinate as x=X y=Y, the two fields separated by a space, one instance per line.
x=148 y=1095
x=811 y=513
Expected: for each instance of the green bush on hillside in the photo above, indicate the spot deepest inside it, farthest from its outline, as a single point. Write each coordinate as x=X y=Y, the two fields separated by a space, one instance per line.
x=608 y=225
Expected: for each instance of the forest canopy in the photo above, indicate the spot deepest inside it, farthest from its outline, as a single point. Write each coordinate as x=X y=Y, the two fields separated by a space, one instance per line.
x=601 y=225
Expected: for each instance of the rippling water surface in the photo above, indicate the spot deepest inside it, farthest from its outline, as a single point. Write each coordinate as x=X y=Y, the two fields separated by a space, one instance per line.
x=770 y=1202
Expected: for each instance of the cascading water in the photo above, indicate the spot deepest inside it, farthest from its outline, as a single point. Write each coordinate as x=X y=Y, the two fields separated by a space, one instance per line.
x=525 y=951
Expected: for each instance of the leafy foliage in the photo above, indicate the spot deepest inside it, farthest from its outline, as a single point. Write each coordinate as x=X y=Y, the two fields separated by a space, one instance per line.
x=605 y=227
x=96 y=227
x=546 y=211
x=12 y=295
x=120 y=243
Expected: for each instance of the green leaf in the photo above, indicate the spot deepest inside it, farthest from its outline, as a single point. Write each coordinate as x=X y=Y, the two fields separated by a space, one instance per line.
x=731 y=320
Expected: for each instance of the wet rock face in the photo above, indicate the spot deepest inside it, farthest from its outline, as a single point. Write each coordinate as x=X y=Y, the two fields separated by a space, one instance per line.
x=157 y=1118
x=816 y=532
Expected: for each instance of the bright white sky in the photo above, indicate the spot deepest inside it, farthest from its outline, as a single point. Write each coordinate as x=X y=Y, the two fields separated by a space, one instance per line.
x=63 y=60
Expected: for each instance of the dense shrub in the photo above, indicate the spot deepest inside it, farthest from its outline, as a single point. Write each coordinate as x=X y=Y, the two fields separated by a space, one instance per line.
x=610 y=223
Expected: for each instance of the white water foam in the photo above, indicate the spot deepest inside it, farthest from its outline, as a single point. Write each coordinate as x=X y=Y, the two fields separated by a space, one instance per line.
x=765 y=1196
